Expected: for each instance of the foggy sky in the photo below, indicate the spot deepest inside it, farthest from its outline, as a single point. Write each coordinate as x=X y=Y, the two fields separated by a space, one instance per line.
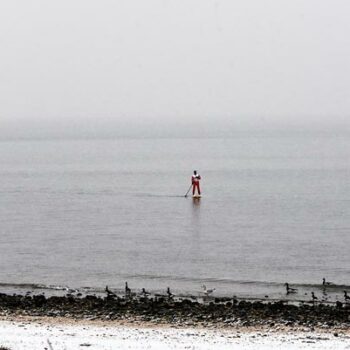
x=176 y=62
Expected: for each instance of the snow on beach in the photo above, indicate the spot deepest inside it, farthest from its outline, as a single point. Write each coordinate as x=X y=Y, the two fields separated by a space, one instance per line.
x=41 y=334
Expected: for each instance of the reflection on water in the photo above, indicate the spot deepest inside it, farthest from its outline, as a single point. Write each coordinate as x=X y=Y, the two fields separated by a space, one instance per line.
x=195 y=211
x=196 y=202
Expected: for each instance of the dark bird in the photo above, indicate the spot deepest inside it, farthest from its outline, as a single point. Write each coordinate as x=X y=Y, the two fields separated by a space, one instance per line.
x=144 y=292
x=289 y=289
x=314 y=297
x=127 y=290
x=168 y=292
x=325 y=284
x=109 y=293
x=346 y=297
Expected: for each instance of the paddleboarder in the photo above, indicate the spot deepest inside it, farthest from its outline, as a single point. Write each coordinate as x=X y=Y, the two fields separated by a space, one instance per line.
x=195 y=183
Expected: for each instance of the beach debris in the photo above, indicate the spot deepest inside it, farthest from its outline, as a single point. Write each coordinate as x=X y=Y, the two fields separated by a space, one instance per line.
x=49 y=344
x=180 y=309
x=289 y=289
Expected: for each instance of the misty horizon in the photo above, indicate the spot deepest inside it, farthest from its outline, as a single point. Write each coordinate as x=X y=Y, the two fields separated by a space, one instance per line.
x=93 y=129
x=114 y=69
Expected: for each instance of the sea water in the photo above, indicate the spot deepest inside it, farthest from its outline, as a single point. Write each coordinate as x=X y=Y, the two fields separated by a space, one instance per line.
x=90 y=213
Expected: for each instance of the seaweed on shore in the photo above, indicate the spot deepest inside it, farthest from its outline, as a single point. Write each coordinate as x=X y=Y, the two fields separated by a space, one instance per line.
x=227 y=312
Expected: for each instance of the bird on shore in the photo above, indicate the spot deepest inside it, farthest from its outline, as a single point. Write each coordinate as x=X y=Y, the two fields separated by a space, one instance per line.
x=314 y=297
x=289 y=289
x=346 y=297
x=109 y=293
x=207 y=292
x=69 y=290
x=168 y=292
x=127 y=290
x=145 y=293
x=325 y=284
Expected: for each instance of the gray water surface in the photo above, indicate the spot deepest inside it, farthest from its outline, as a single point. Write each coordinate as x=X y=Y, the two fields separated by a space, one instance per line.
x=96 y=212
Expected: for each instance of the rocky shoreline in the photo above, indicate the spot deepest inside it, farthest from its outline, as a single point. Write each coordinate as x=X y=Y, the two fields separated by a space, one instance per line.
x=213 y=312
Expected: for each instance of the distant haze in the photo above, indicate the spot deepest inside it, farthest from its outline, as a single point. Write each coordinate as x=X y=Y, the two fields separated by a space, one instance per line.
x=83 y=67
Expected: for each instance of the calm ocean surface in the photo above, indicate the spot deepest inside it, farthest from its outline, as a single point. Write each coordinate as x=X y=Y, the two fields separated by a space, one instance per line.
x=96 y=212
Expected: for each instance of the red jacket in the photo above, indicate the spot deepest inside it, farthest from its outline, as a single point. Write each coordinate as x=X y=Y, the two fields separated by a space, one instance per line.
x=195 y=178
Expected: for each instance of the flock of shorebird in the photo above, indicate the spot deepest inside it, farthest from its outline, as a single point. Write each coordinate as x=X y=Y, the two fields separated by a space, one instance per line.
x=314 y=298
x=208 y=292
x=144 y=293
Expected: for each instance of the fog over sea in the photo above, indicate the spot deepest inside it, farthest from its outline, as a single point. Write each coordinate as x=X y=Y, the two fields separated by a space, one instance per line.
x=87 y=213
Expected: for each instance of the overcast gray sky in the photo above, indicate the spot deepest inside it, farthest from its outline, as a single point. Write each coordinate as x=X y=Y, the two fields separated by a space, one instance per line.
x=175 y=61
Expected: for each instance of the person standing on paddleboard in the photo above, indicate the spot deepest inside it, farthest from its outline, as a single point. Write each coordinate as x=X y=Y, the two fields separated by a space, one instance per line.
x=195 y=183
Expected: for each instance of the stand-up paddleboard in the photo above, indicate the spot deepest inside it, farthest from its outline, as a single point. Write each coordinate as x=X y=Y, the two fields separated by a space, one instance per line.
x=196 y=196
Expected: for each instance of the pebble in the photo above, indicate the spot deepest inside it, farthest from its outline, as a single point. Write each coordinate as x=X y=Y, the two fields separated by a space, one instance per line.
x=179 y=312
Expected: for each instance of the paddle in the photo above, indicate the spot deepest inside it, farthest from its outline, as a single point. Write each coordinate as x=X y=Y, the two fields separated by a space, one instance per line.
x=188 y=191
